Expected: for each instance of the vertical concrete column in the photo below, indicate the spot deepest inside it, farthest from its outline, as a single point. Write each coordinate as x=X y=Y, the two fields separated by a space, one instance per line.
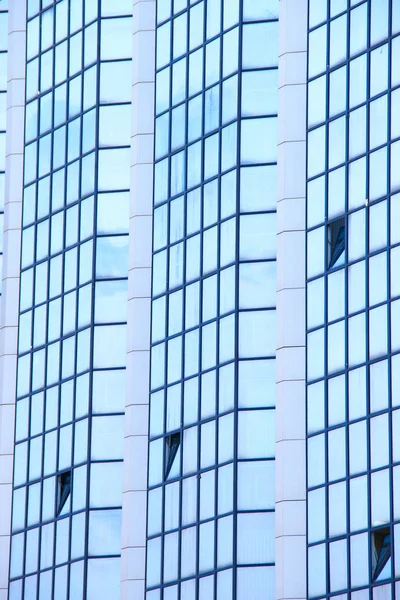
x=11 y=268
x=139 y=304
x=290 y=408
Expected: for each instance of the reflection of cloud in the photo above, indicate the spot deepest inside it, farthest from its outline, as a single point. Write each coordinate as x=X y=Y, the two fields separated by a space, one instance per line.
x=112 y=31
x=113 y=213
x=178 y=166
x=108 y=437
x=47 y=544
x=114 y=169
x=115 y=127
x=110 y=346
x=106 y=484
x=111 y=301
x=3 y=110
x=211 y=109
x=258 y=188
x=87 y=174
x=105 y=532
x=257 y=383
x=116 y=81
x=257 y=334
x=103 y=578
x=109 y=391
x=4 y=27
x=112 y=256
x=161 y=181
x=258 y=236
x=2 y=190
x=3 y=71
x=257 y=285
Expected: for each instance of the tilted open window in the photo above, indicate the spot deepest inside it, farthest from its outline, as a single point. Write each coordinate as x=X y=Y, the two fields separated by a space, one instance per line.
x=63 y=490
x=336 y=240
x=172 y=443
x=381 y=548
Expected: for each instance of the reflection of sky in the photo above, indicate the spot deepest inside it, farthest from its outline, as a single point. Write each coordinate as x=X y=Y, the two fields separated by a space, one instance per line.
x=105 y=532
x=2 y=151
x=112 y=30
x=103 y=580
x=114 y=129
x=114 y=169
x=111 y=302
x=106 y=484
x=257 y=383
x=116 y=81
x=112 y=256
x=108 y=437
x=109 y=391
x=3 y=27
x=74 y=179
x=113 y=213
x=257 y=287
x=110 y=346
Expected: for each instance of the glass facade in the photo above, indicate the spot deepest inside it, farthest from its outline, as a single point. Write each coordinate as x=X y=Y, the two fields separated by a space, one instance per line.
x=211 y=497
x=353 y=253
x=67 y=497
x=211 y=530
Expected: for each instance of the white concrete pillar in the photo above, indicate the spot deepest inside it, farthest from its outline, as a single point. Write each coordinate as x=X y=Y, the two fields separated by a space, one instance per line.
x=139 y=304
x=11 y=269
x=290 y=356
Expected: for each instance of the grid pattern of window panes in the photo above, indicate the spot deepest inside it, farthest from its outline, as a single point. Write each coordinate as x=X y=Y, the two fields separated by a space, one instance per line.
x=66 y=522
x=353 y=305
x=3 y=114
x=211 y=469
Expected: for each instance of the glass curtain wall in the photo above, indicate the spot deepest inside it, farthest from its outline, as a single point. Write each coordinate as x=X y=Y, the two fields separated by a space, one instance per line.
x=3 y=114
x=66 y=518
x=211 y=457
x=353 y=289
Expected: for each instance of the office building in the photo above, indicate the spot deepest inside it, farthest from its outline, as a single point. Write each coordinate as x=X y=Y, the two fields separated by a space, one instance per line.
x=199 y=347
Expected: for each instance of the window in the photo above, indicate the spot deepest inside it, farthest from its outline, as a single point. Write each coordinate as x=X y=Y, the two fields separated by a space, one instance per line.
x=336 y=240
x=381 y=548
x=172 y=444
x=63 y=490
